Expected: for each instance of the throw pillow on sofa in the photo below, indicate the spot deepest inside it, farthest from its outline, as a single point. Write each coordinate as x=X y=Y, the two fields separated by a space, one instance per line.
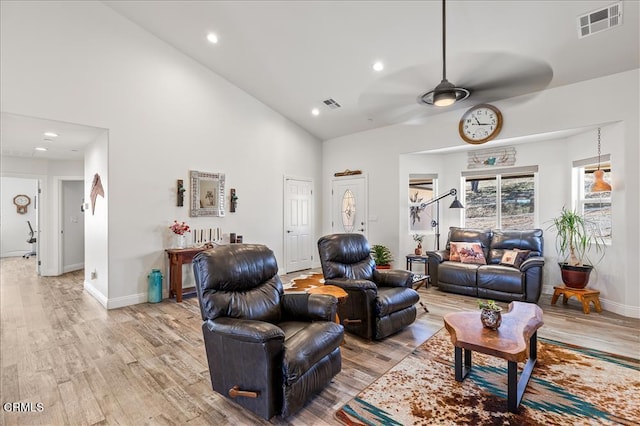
x=514 y=258
x=467 y=253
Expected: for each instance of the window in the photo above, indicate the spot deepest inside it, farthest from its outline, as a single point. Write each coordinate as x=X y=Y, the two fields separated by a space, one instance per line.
x=421 y=189
x=501 y=198
x=594 y=206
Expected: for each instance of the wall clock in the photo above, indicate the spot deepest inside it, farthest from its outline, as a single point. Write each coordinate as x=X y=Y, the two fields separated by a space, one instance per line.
x=480 y=124
x=21 y=201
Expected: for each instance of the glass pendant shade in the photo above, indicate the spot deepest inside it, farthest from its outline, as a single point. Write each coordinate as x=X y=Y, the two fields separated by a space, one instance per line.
x=599 y=185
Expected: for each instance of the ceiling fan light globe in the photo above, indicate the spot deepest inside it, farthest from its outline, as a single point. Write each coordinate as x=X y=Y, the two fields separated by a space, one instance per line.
x=444 y=99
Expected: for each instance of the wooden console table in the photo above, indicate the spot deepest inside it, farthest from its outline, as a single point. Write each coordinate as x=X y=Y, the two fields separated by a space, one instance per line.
x=177 y=258
x=515 y=341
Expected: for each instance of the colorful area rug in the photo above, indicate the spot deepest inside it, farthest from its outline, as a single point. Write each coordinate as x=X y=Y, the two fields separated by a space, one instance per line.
x=570 y=385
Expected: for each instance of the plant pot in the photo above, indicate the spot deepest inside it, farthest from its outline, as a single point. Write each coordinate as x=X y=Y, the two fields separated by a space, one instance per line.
x=383 y=266
x=491 y=318
x=575 y=276
x=418 y=251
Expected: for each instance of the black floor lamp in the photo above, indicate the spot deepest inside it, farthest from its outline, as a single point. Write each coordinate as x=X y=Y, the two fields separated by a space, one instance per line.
x=454 y=205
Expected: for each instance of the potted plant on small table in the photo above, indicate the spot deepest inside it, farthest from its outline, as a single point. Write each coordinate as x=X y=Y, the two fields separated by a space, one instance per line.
x=382 y=256
x=490 y=314
x=575 y=237
x=418 y=239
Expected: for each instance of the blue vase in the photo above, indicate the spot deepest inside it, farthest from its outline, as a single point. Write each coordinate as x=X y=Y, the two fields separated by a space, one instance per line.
x=155 y=286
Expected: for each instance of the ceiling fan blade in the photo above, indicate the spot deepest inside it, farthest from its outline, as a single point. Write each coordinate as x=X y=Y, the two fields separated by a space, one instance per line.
x=490 y=76
x=506 y=75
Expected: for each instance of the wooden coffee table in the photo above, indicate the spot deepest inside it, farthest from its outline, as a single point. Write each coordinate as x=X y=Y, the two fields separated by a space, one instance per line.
x=515 y=341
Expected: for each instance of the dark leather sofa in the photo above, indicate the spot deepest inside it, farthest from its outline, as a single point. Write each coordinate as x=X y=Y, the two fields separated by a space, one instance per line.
x=379 y=302
x=280 y=348
x=493 y=280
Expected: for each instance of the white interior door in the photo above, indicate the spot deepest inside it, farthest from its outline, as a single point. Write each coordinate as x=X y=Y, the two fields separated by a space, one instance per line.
x=72 y=231
x=349 y=204
x=298 y=219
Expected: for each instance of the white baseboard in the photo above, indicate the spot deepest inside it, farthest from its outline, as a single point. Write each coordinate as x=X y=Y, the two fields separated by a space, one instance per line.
x=74 y=267
x=95 y=293
x=134 y=299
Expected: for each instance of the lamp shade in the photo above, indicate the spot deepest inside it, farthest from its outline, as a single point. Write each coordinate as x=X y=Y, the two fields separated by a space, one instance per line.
x=456 y=204
x=599 y=185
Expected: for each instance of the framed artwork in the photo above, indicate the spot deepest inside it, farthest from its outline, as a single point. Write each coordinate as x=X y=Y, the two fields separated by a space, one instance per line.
x=207 y=194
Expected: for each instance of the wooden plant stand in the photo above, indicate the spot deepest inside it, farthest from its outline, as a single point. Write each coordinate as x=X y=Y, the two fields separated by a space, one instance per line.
x=584 y=295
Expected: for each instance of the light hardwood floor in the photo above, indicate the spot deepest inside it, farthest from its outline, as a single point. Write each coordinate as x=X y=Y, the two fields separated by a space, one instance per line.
x=146 y=364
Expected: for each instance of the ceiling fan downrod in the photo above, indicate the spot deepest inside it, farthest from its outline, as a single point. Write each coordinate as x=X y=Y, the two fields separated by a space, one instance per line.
x=445 y=93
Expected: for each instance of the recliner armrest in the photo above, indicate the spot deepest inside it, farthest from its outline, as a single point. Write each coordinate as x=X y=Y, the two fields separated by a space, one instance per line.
x=392 y=278
x=537 y=261
x=310 y=307
x=349 y=284
x=440 y=255
x=245 y=330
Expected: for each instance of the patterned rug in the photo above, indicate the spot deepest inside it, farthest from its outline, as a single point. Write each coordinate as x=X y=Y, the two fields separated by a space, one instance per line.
x=304 y=282
x=570 y=385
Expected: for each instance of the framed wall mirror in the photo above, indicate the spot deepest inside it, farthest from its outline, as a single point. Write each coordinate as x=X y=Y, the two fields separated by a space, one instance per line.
x=207 y=194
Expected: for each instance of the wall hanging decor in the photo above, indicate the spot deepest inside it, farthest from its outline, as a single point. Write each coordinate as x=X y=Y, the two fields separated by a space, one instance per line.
x=22 y=202
x=207 y=194
x=348 y=172
x=234 y=201
x=180 y=193
x=492 y=157
x=96 y=189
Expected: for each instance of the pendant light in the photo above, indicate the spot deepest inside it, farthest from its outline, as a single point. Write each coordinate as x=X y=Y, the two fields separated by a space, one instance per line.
x=445 y=93
x=599 y=185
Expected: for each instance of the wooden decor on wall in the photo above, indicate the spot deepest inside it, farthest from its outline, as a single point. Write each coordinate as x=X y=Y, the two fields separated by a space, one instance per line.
x=492 y=157
x=348 y=172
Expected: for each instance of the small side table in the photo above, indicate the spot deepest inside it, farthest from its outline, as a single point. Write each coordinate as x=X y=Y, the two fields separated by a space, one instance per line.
x=584 y=295
x=418 y=258
x=331 y=290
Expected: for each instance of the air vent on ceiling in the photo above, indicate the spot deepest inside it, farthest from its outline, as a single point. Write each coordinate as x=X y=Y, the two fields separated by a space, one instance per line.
x=331 y=103
x=600 y=20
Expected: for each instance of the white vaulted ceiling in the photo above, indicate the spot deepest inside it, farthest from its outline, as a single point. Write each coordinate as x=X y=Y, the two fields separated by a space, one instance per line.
x=292 y=55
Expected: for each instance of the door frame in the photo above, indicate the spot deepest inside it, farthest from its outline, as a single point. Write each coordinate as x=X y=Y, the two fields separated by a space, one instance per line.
x=58 y=218
x=312 y=221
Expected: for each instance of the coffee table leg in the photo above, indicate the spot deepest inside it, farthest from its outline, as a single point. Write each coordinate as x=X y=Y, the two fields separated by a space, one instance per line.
x=515 y=387
x=460 y=369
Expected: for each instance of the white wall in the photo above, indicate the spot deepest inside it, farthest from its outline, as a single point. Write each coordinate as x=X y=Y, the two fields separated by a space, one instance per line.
x=166 y=114
x=570 y=107
x=14 y=227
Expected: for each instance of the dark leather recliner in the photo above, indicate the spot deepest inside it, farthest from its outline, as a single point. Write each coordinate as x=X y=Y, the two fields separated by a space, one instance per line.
x=379 y=302
x=282 y=347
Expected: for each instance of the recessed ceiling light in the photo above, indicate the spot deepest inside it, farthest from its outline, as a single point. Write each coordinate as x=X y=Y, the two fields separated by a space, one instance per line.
x=378 y=66
x=315 y=111
x=212 y=38
x=51 y=134
x=40 y=148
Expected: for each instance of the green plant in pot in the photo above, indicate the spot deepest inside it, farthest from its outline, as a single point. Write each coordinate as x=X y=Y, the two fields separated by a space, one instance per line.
x=490 y=314
x=382 y=256
x=575 y=238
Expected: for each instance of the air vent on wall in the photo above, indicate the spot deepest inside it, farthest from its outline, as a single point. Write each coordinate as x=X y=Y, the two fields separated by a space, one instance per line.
x=331 y=103
x=600 y=20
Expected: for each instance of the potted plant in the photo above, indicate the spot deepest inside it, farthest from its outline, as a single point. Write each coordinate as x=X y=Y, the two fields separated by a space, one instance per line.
x=418 y=239
x=490 y=314
x=382 y=256
x=575 y=238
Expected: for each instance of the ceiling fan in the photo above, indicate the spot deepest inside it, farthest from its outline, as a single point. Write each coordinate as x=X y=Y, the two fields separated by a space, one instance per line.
x=484 y=77
x=445 y=93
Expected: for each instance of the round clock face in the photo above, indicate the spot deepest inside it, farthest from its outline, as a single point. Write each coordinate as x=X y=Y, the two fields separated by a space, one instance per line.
x=21 y=200
x=480 y=124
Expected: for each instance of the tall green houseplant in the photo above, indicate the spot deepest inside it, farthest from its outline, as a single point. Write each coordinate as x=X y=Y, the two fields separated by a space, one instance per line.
x=574 y=240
